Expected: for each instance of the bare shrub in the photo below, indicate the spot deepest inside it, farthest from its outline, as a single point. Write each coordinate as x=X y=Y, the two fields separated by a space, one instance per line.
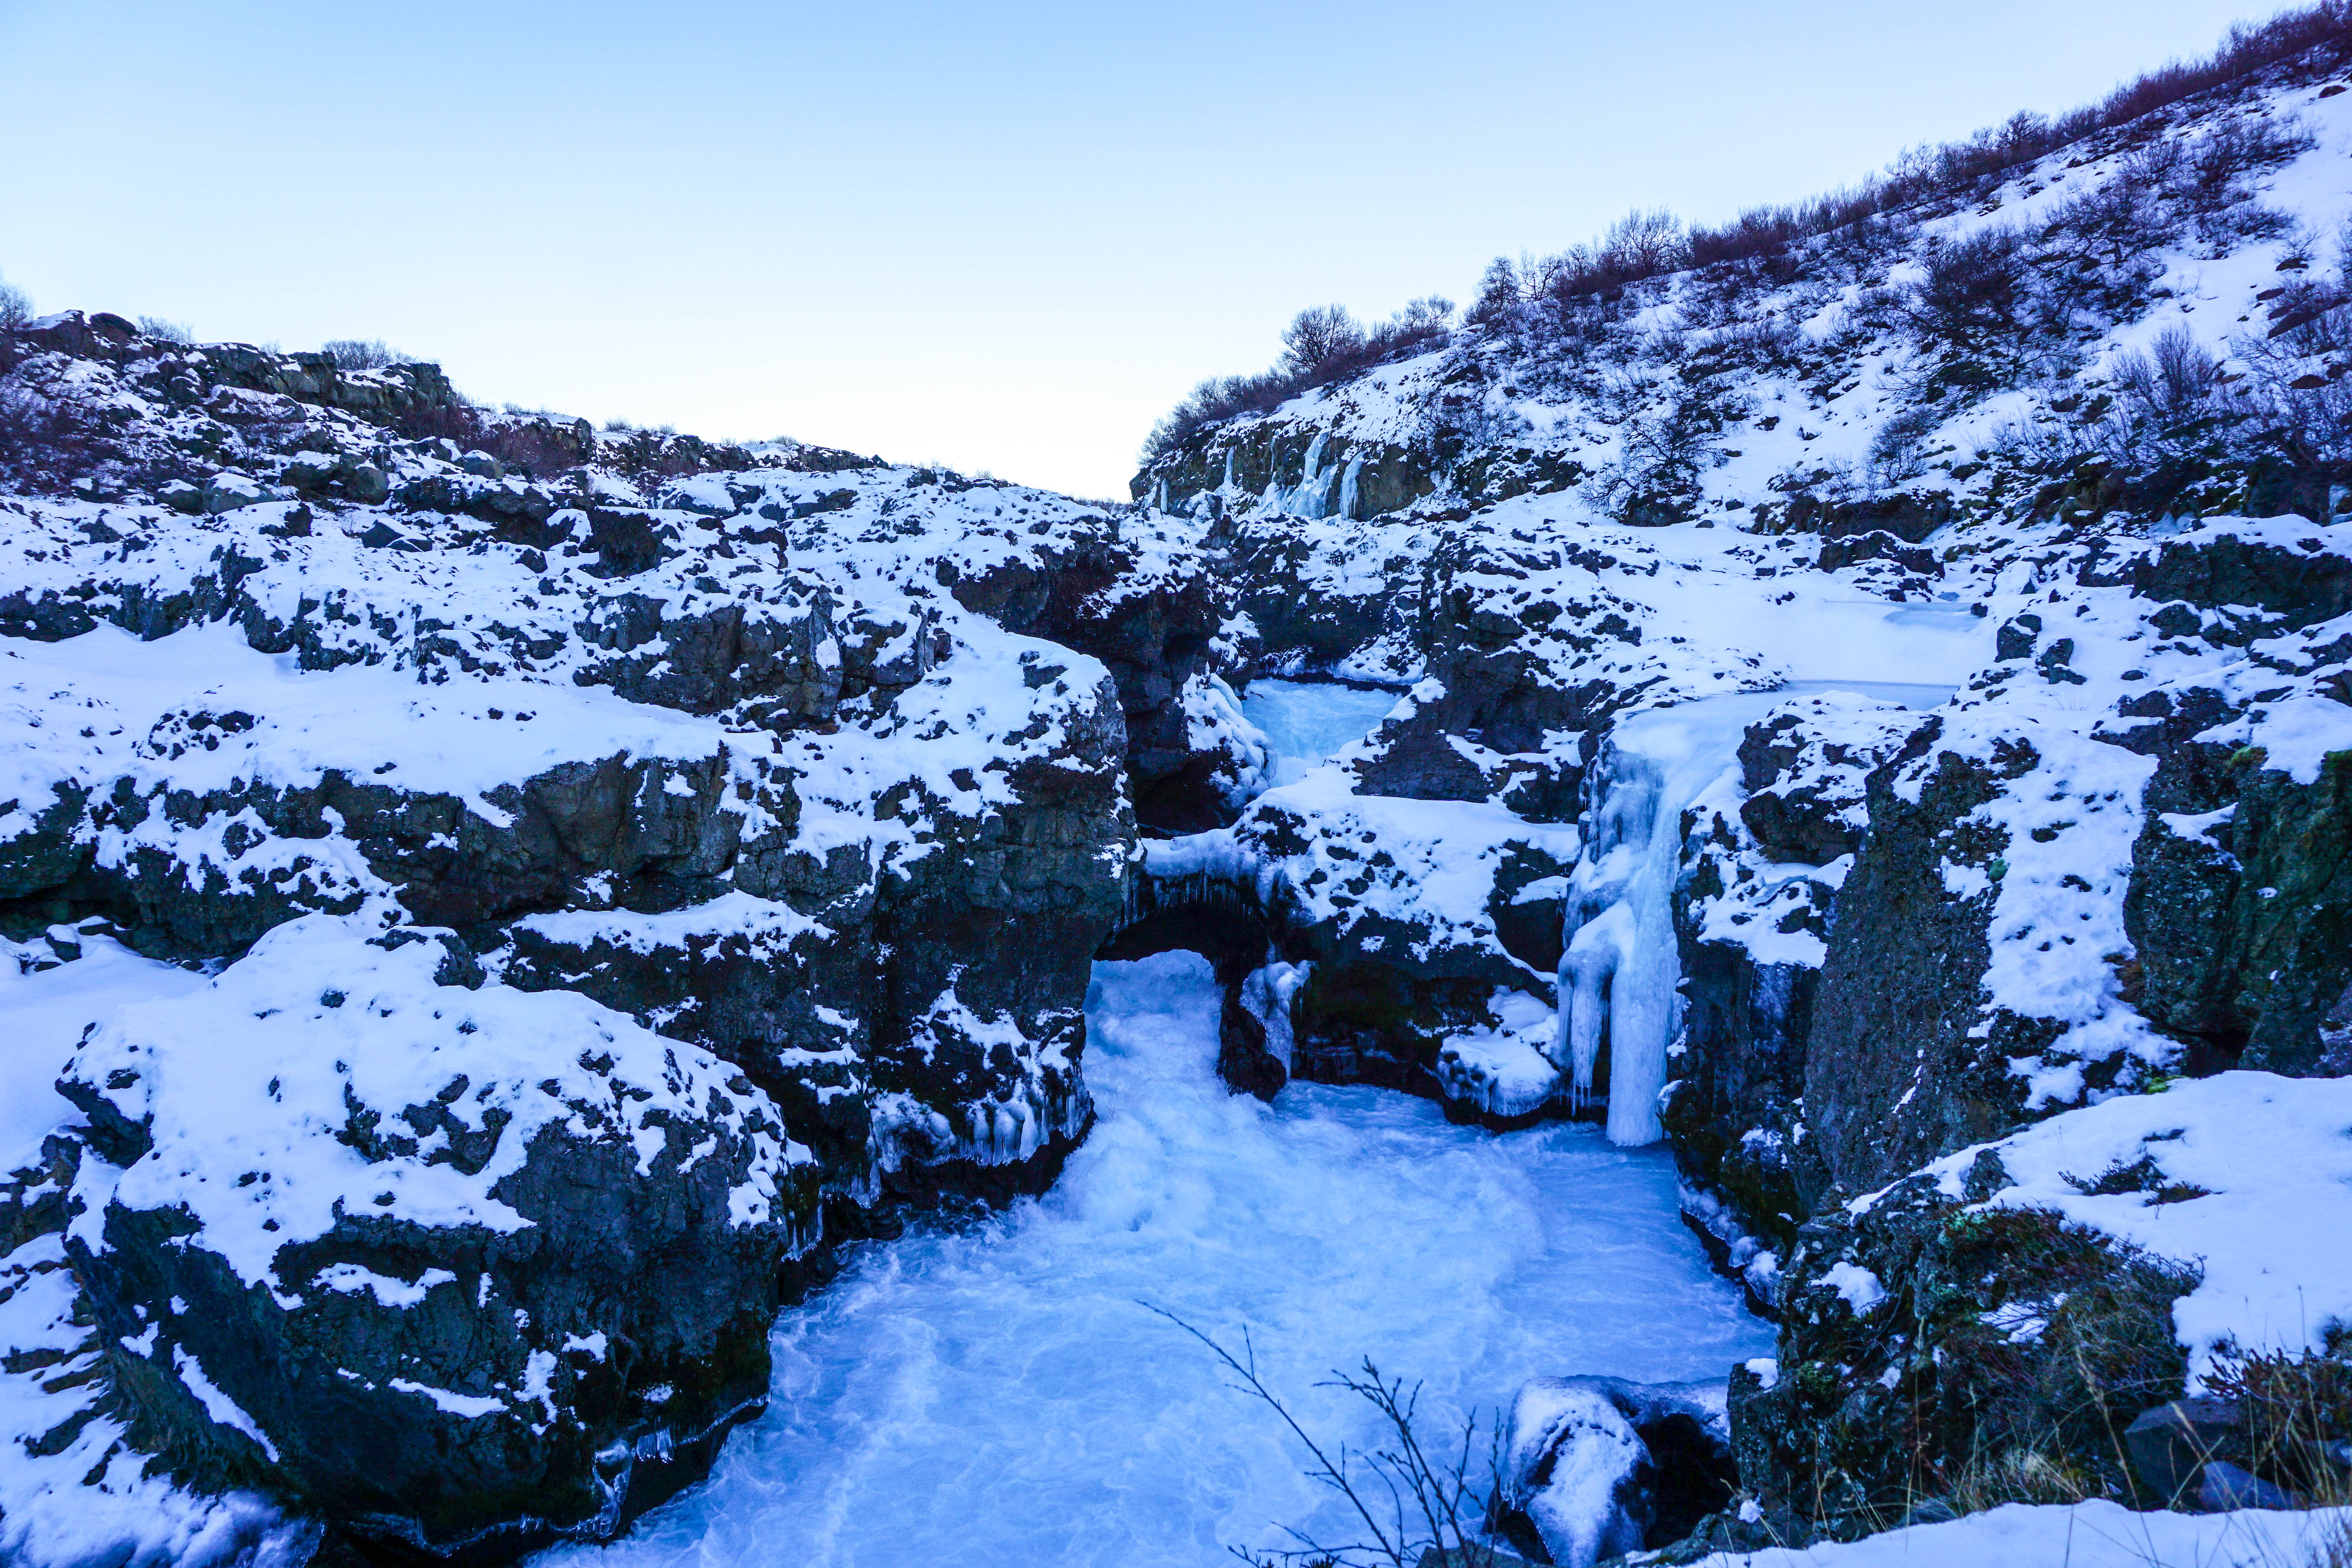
x=2235 y=149
x=1413 y=1504
x=1317 y=337
x=1895 y=448
x=1973 y=288
x=1770 y=343
x=2172 y=381
x=2295 y=1415
x=2117 y=223
x=1664 y=445
x=1969 y=168
x=16 y=309
x=161 y=330
x=42 y=446
x=358 y=353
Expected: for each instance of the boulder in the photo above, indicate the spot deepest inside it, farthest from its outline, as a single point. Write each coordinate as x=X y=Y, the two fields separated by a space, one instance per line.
x=1595 y=1468
x=464 y=1270
x=2171 y=1444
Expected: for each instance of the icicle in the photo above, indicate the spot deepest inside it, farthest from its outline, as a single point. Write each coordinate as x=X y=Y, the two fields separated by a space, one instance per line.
x=1623 y=966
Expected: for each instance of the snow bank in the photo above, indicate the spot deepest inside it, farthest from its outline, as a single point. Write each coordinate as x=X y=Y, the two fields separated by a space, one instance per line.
x=2087 y=1535
x=2270 y=1159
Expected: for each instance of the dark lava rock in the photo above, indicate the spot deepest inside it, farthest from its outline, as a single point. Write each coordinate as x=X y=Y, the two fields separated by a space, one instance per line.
x=462 y=1270
x=2240 y=901
x=1924 y=1343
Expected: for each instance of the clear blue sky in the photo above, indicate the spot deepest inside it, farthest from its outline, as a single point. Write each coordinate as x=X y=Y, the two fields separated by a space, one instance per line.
x=999 y=236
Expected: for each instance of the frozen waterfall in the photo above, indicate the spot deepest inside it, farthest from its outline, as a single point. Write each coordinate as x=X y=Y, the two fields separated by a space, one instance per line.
x=1306 y=721
x=1619 y=980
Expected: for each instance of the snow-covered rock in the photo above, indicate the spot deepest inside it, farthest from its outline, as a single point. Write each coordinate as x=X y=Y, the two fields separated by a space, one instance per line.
x=1596 y=1466
x=436 y=1258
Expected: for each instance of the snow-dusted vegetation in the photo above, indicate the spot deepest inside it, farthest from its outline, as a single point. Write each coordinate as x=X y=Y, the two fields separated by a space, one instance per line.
x=1821 y=746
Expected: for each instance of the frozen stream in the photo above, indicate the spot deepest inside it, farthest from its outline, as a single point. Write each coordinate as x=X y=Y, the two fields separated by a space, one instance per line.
x=996 y=1395
x=1305 y=721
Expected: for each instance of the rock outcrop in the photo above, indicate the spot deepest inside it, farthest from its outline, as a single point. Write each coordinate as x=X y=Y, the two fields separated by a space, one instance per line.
x=711 y=758
x=464 y=1270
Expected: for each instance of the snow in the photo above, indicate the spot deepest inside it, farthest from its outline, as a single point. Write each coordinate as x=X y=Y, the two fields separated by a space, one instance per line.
x=1858 y=1286
x=472 y=1406
x=2085 y=1536
x=2297 y=736
x=1051 y=1419
x=732 y=913
x=52 y=1513
x=350 y=1279
x=2070 y=822
x=127 y=693
x=2274 y=1157
x=224 y=1411
x=256 y=1073
x=42 y=1015
x=1007 y=1353
x=1505 y=1069
x=1595 y=1452
x=1313 y=842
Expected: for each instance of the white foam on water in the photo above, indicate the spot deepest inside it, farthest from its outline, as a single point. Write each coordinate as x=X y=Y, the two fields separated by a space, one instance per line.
x=1306 y=721
x=996 y=1394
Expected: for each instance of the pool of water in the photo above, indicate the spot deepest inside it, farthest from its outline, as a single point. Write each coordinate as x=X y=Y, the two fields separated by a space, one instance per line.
x=1305 y=721
x=999 y=1394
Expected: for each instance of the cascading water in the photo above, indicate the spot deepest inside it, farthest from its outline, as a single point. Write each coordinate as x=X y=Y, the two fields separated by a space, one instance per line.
x=994 y=1393
x=1305 y=721
x=1311 y=496
x=1618 y=981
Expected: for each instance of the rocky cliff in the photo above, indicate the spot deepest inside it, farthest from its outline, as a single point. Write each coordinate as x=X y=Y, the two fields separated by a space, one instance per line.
x=744 y=793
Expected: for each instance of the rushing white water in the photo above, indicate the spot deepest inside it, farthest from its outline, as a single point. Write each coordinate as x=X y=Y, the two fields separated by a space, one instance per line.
x=1621 y=964
x=1305 y=721
x=996 y=1394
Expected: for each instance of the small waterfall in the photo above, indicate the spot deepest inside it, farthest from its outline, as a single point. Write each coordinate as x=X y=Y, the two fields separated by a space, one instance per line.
x=1623 y=970
x=1311 y=497
x=1623 y=966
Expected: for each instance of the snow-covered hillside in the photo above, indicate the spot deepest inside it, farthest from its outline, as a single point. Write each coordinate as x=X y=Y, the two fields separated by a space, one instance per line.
x=1887 y=693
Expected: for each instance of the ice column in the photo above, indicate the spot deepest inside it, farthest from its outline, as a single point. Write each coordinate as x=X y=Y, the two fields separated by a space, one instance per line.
x=1622 y=967
x=1311 y=497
